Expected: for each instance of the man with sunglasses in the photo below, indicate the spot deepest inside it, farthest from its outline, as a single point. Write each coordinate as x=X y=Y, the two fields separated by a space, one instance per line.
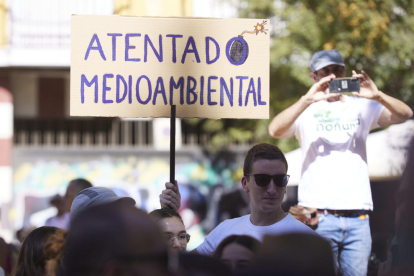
x=332 y=130
x=265 y=179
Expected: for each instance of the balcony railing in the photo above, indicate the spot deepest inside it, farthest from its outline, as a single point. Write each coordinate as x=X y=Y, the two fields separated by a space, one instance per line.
x=46 y=23
x=96 y=132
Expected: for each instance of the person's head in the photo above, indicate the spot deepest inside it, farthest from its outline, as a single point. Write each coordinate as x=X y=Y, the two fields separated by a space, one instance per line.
x=325 y=63
x=59 y=203
x=21 y=235
x=95 y=196
x=4 y=253
x=114 y=239
x=293 y=254
x=32 y=258
x=74 y=187
x=265 y=178
x=172 y=227
x=237 y=251
x=201 y=265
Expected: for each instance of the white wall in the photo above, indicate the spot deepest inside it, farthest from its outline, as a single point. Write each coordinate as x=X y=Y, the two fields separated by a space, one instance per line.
x=215 y=8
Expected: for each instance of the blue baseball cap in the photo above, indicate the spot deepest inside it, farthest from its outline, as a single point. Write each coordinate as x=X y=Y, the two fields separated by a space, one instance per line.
x=95 y=196
x=324 y=58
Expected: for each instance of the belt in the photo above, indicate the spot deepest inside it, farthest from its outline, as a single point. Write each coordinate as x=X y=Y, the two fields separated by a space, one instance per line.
x=344 y=213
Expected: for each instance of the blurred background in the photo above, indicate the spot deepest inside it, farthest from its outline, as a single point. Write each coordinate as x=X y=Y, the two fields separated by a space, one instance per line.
x=42 y=148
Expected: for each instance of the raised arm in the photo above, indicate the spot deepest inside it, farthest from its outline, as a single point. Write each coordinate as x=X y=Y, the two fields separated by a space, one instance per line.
x=395 y=110
x=282 y=125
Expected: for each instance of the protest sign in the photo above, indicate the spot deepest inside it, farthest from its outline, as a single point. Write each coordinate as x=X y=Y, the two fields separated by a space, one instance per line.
x=127 y=66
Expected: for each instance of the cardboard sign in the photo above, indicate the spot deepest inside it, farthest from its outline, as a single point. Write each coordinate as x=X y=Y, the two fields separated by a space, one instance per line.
x=137 y=67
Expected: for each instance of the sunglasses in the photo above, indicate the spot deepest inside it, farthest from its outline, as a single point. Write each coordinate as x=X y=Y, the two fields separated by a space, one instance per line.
x=262 y=180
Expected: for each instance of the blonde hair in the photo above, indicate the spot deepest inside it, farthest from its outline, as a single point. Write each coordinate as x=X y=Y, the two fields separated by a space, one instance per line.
x=55 y=249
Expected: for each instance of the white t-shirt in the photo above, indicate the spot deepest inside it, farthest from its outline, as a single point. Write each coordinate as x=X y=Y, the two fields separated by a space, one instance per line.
x=334 y=159
x=243 y=226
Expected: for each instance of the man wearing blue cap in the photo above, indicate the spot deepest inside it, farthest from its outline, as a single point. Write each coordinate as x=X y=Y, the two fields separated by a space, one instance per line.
x=332 y=129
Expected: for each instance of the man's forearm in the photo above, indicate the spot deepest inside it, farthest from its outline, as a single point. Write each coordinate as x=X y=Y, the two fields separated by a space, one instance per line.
x=399 y=110
x=281 y=124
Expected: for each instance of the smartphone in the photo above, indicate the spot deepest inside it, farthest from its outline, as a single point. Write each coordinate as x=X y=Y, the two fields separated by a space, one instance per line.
x=343 y=85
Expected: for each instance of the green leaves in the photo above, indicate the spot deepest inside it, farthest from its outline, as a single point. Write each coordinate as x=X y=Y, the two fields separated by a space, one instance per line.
x=376 y=36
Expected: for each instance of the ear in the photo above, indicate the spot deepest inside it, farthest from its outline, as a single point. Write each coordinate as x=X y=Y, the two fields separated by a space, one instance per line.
x=313 y=76
x=244 y=184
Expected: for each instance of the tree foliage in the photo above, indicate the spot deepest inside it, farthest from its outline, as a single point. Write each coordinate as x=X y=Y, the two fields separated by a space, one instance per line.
x=376 y=36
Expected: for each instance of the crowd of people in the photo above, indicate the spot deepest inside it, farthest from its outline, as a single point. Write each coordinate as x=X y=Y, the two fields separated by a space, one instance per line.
x=107 y=235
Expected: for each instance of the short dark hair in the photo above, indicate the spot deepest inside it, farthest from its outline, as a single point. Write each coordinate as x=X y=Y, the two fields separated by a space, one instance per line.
x=81 y=184
x=246 y=241
x=262 y=151
x=159 y=214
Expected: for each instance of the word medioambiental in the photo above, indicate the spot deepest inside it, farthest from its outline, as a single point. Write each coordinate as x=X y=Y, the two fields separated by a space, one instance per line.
x=194 y=89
